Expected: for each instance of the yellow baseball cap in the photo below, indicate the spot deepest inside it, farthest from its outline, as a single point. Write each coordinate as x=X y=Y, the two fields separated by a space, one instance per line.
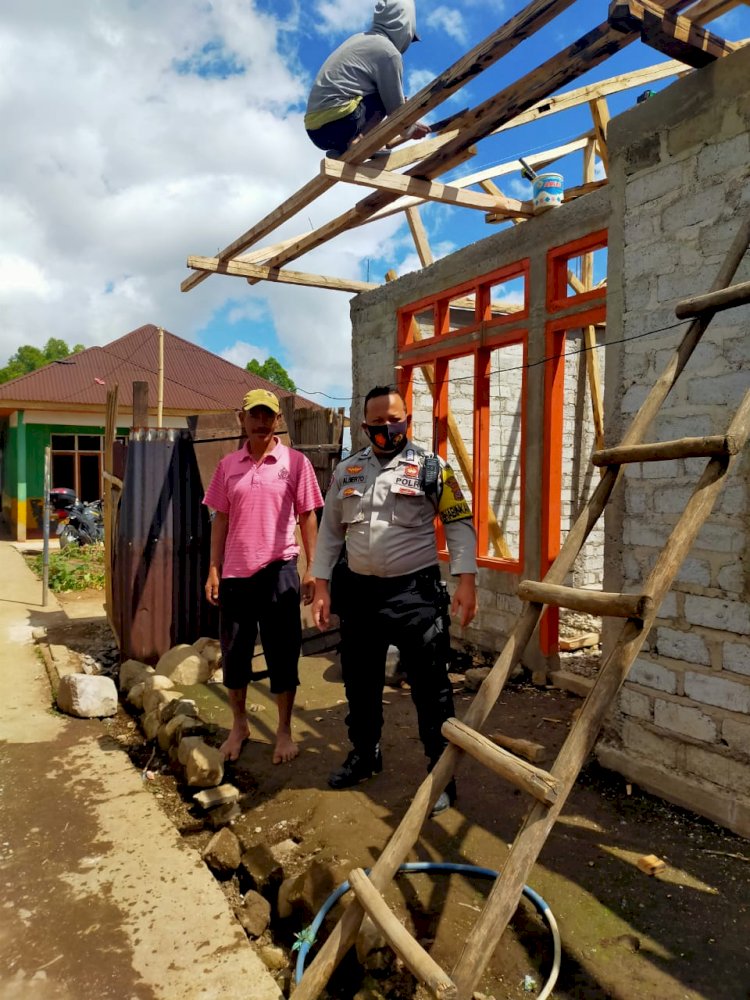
x=261 y=397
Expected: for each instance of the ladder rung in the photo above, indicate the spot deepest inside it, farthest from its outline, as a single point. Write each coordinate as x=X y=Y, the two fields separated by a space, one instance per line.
x=523 y=775
x=593 y=602
x=695 y=447
x=410 y=951
x=725 y=298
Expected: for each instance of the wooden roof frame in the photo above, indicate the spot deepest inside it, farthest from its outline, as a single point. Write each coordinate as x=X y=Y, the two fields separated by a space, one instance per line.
x=528 y=99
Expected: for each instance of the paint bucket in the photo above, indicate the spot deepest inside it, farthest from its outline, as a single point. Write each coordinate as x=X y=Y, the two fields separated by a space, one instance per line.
x=548 y=191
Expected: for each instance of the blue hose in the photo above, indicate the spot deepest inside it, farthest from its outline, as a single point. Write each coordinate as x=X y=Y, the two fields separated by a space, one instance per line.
x=306 y=938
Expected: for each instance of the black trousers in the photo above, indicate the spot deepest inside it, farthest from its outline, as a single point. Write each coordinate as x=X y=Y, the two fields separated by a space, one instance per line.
x=338 y=134
x=410 y=612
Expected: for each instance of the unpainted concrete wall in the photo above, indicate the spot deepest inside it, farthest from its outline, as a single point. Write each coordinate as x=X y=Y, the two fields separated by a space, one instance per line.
x=680 y=183
x=374 y=352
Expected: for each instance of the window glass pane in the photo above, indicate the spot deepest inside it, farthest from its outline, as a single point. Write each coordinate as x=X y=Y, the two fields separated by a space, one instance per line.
x=64 y=442
x=460 y=452
x=63 y=471
x=504 y=463
x=89 y=442
x=89 y=474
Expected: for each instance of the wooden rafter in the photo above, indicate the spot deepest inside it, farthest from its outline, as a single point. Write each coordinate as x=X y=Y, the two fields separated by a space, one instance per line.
x=385 y=180
x=524 y=24
x=675 y=36
x=527 y=99
x=600 y=116
x=419 y=235
x=242 y=269
x=709 y=10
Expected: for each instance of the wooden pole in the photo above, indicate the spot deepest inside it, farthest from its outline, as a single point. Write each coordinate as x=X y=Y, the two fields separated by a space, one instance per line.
x=160 y=388
x=45 y=529
x=110 y=432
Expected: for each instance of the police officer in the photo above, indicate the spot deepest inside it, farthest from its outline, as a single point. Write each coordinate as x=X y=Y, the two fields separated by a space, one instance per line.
x=382 y=503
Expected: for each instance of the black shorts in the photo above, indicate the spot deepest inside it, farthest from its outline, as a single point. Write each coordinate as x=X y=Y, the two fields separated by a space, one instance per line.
x=269 y=601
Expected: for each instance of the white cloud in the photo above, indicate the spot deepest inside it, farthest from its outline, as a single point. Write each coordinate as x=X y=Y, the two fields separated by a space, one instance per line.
x=137 y=134
x=449 y=20
x=518 y=188
x=343 y=16
x=241 y=352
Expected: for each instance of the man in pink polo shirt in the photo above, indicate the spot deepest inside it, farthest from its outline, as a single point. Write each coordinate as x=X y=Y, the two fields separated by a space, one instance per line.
x=260 y=493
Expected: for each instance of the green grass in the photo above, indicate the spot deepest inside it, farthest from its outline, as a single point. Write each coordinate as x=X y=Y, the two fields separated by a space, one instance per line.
x=73 y=568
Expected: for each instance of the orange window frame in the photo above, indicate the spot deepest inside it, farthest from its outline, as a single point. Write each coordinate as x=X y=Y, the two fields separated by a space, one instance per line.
x=491 y=332
x=440 y=304
x=557 y=271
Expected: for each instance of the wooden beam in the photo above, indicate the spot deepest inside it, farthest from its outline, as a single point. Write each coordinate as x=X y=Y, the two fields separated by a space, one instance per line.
x=583 y=55
x=709 y=10
x=600 y=115
x=419 y=235
x=384 y=180
x=589 y=332
x=675 y=36
x=542 y=159
x=520 y=27
x=571 y=194
x=259 y=272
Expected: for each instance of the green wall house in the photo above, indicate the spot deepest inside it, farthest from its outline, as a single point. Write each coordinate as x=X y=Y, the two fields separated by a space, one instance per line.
x=62 y=406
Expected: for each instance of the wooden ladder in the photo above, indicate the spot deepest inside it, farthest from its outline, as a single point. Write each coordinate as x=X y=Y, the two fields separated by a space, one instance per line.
x=550 y=788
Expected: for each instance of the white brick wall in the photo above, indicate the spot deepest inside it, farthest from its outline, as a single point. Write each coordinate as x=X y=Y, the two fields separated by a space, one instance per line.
x=676 y=219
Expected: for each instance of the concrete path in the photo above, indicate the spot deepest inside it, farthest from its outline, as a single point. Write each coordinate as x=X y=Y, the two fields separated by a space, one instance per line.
x=100 y=897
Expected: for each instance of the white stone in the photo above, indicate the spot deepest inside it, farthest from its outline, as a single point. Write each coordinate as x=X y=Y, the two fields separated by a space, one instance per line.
x=718 y=613
x=685 y=720
x=184 y=666
x=205 y=766
x=736 y=735
x=156 y=697
x=187 y=743
x=156 y=682
x=135 y=696
x=653 y=675
x=133 y=672
x=87 y=696
x=713 y=690
x=688 y=646
x=736 y=657
x=211 y=797
x=635 y=703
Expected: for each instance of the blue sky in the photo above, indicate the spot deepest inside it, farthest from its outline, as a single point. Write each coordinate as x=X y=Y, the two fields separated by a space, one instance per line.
x=136 y=134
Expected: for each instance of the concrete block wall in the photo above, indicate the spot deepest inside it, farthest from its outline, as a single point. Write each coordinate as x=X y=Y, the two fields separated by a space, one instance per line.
x=376 y=360
x=680 y=183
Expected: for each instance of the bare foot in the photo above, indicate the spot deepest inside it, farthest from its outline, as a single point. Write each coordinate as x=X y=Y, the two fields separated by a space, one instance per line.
x=285 y=750
x=232 y=745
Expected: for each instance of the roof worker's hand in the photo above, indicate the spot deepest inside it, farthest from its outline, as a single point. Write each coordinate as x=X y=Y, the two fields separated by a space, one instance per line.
x=417 y=131
x=321 y=605
x=307 y=589
x=212 y=587
x=464 y=603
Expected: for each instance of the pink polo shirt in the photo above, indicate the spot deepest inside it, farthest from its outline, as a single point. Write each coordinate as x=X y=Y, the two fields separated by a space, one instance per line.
x=263 y=502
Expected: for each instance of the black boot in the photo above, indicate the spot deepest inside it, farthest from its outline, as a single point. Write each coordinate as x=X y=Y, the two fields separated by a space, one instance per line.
x=356 y=768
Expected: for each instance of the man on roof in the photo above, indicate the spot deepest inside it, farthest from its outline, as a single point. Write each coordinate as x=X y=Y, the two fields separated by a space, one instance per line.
x=362 y=81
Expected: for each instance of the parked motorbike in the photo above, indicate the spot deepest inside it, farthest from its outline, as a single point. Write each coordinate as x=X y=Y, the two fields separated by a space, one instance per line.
x=79 y=522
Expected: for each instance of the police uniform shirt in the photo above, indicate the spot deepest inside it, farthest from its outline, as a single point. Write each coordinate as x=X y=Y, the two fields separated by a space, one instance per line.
x=382 y=512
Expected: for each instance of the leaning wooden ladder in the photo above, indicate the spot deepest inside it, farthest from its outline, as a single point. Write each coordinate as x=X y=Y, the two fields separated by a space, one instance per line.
x=550 y=789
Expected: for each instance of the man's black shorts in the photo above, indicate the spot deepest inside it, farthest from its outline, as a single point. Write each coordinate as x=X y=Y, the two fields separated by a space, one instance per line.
x=268 y=600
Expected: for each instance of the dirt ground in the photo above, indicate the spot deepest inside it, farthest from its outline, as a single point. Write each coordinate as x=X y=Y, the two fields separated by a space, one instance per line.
x=681 y=935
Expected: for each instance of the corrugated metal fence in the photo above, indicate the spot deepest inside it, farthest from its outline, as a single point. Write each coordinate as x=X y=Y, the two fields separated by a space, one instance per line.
x=162 y=547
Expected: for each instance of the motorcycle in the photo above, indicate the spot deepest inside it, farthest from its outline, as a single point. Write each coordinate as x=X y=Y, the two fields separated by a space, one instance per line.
x=79 y=522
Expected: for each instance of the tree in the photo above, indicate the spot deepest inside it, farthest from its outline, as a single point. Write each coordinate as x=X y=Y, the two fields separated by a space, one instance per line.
x=28 y=359
x=273 y=371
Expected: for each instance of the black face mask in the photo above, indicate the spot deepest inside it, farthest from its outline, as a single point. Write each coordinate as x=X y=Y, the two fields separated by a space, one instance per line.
x=388 y=438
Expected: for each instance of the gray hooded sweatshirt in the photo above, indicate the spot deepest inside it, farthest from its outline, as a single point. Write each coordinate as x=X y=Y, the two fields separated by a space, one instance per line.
x=367 y=63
